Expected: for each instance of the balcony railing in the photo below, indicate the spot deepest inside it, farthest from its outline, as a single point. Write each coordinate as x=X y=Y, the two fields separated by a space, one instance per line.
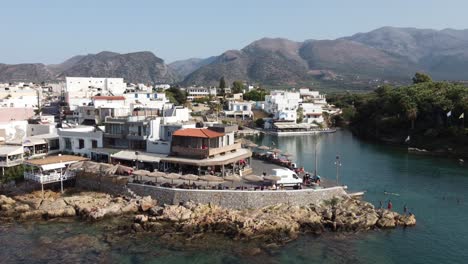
x=48 y=178
x=203 y=153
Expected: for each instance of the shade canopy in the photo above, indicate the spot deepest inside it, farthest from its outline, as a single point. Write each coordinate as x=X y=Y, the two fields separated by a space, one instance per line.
x=189 y=177
x=252 y=178
x=172 y=176
x=211 y=178
x=141 y=173
x=232 y=178
x=157 y=174
x=252 y=145
x=264 y=147
x=276 y=150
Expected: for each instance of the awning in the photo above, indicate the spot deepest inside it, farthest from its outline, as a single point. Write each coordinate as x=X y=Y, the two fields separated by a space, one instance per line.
x=131 y=155
x=291 y=125
x=53 y=166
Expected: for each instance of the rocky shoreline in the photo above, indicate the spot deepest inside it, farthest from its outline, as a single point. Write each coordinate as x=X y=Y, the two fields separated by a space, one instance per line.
x=273 y=225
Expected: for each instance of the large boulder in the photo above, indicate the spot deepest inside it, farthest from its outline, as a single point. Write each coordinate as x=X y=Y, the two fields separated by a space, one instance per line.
x=175 y=213
x=67 y=211
x=407 y=220
x=147 y=203
x=6 y=200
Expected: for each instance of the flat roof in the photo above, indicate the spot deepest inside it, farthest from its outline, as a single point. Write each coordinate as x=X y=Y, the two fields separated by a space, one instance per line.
x=55 y=159
x=10 y=150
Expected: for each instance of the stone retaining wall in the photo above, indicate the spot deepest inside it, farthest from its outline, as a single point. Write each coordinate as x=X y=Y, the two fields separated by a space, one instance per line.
x=237 y=199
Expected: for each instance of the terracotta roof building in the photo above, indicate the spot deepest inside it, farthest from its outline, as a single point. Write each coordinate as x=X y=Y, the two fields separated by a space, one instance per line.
x=197 y=133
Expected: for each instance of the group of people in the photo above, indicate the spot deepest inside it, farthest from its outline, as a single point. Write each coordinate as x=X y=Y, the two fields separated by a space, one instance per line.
x=309 y=180
x=390 y=207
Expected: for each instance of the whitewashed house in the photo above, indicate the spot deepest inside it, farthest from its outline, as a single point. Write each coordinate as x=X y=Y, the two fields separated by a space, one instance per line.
x=239 y=109
x=312 y=113
x=282 y=105
x=80 y=139
x=199 y=92
x=80 y=90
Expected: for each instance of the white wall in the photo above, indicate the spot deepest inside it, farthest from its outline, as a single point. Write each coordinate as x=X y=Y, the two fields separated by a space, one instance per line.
x=75 y=134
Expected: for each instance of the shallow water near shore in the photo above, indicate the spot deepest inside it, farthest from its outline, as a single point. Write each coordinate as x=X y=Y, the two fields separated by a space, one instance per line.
x=433 y=188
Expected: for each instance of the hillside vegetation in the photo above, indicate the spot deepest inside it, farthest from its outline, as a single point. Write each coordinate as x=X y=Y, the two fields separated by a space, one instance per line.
x=430 y=113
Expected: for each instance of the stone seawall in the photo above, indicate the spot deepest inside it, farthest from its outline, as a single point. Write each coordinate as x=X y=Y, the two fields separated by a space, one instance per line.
x=238 y=199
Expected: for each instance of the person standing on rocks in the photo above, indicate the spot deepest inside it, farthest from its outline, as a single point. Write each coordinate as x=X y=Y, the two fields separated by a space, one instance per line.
x=405 y=209
x=389 y=205
x=380 y=205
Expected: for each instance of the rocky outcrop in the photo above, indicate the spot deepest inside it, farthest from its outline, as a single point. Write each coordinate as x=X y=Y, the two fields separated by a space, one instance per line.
x=276 y=224
x=87 y=205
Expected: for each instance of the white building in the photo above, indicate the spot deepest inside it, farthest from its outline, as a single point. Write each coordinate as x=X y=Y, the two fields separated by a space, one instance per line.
x=239 y=109
x=282 y=104
x=160 y=140
x=199 y=92
x=312 y=113
x=18 y=96
x=176 y=114
x=80 y=90
x=80 y=140
x=312 y=96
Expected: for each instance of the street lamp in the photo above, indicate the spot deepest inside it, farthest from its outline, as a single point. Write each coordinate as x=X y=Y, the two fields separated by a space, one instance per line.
x=338 y=165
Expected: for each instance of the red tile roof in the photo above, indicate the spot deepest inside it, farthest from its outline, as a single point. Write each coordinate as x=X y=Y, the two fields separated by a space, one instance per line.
x=116 y=98
x=197 y=132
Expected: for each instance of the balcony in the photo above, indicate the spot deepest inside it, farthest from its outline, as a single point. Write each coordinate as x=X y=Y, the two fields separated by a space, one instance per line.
x=136 y=136
x=11 y=163
x=203 y=153
x=50 y=177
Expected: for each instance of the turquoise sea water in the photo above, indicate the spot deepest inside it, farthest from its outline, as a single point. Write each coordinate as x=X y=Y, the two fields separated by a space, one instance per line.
x=435 y=190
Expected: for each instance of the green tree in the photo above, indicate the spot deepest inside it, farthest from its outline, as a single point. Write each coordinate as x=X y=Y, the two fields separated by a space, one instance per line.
x=300 y=115
x=237 y=87
x=176 y=96
x=421 y=78
x=222 y=83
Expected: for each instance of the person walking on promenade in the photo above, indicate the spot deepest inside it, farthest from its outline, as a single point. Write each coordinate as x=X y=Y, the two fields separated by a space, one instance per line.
x=389 y=205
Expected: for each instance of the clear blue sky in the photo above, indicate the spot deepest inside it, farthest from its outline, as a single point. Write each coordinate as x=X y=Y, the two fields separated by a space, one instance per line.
x=52 y=31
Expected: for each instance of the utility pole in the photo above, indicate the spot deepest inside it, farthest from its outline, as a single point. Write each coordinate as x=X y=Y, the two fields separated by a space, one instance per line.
x=338 y=165
x=316 y=164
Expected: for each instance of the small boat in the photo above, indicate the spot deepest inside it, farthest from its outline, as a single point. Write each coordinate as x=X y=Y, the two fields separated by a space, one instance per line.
x=356 y=194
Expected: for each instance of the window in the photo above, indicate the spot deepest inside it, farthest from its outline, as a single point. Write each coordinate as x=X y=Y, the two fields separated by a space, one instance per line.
x=68 y=145
x=80 y=144
x=94 y=143
x=54 y=144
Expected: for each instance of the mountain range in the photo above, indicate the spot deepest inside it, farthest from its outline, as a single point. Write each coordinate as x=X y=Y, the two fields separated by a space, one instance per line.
x=385 y=54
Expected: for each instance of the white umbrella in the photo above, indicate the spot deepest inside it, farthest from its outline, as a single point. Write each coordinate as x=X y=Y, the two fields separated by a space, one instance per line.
x=232 y=178
x=141 y=173
x=157 y=174
x=211 y=178
x=172 y=176
x=189 y=177
x=252 y=178
x=272 y=178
